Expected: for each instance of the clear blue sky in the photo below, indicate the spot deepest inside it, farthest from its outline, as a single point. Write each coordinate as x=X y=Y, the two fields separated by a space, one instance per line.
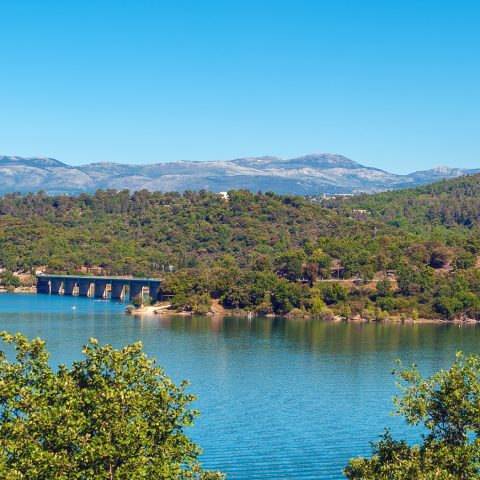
x=392 y=84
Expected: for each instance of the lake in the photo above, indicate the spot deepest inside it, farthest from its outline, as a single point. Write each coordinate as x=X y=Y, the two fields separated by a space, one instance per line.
x=279 y=399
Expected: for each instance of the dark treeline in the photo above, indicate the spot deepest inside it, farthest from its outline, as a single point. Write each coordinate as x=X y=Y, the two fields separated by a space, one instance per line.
x=264 y=252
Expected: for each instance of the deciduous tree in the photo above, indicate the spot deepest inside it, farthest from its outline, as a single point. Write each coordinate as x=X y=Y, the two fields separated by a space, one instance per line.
x=113 y=415
x=447 y=405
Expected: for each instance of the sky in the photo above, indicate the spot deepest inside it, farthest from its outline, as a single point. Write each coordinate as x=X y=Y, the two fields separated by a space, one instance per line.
x=392 y=84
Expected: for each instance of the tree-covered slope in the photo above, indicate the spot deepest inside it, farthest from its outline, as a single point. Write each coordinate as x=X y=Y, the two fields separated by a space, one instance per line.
x=135 y=233
x=449 y=203
x=262 y=252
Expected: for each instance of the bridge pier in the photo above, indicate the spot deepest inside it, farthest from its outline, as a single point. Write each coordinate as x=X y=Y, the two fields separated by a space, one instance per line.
x=136 y=289
x=43 y=286
x=84 y=288
x=153 y=289
x=69 y=287
x=100 y=290
x=118 y=290
x=56 y=286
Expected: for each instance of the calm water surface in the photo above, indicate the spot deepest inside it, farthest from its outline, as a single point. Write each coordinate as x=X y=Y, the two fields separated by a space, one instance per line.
x=279 y=399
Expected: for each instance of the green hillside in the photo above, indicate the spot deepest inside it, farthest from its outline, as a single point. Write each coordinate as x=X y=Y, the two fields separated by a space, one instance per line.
x=449 y=203
x=405 y=256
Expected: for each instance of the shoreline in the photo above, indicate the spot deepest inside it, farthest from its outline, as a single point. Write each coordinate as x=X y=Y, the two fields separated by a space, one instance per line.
x=219 y=311
x=19 y=290
x=164 y=310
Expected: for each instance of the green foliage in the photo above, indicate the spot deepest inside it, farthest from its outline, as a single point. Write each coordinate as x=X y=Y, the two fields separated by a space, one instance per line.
x=318 y=263
x=453 y=203
x=7 y=279
x=448 y=306
x=318 y=309
x=332 y=292
x=384 y=287
x=317 y=306
x=254 y=245
x=439 y=257
x=413 y=280
x=290 y=264
x=112 y=415
x=202 y=304
x=137 y=301
x=196 y=303
x=266 y=306
x=447 y=405
x=464 y=260
x=287 y=295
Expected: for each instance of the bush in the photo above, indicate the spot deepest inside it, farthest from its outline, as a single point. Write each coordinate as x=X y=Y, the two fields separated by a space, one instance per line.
x=287 y=295
x=297 y=313
x=148 y=300
x=332 y=292
x=317 y=306
x=201 y=304
x=384 y=287
x=386 y=303
x=137 y=301
x=9 y=280
x=448 y=306
x=464 y=260
x=198 y=304
x=266 y=306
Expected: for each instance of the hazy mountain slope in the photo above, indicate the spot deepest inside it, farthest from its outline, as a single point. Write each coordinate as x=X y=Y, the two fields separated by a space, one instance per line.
x=440 y=173
x=310 y=174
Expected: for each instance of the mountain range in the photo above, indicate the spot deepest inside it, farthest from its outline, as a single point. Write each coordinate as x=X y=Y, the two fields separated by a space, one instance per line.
x=311 y=174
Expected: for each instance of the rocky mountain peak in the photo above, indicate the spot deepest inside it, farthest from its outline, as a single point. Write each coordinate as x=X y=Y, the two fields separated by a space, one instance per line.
x=315 y=173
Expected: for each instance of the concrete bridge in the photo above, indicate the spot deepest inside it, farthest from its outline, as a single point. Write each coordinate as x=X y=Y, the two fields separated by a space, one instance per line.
x=97 y=286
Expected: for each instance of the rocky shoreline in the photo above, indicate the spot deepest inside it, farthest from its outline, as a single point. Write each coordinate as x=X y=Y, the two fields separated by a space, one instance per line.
x=165 y=309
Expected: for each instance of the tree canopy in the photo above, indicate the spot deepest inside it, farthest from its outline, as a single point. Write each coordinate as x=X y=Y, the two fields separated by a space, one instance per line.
x=447 y=406
x=112 y=415
x=264 y=252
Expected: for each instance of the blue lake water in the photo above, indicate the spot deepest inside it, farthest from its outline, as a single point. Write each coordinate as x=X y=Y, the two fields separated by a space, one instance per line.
x=279 y=399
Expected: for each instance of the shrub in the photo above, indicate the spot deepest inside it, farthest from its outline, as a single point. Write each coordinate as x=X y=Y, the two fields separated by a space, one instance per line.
x=137 y=301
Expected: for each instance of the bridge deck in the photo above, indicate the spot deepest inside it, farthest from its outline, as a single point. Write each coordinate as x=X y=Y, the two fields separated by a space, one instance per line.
x=92 y=278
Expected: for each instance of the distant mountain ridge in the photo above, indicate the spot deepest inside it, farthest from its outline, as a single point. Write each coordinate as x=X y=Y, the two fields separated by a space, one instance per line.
x=310 y=174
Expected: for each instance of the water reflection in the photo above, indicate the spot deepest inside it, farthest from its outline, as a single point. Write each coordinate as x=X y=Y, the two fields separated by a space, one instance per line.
x=335 y=337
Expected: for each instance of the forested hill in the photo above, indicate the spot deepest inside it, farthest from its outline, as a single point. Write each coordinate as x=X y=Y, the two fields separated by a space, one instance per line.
x=135 y=233
x=449 y=203
x=260 y=252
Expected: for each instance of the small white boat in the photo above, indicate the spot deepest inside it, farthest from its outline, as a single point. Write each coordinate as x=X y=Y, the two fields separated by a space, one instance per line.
x=73 y=307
